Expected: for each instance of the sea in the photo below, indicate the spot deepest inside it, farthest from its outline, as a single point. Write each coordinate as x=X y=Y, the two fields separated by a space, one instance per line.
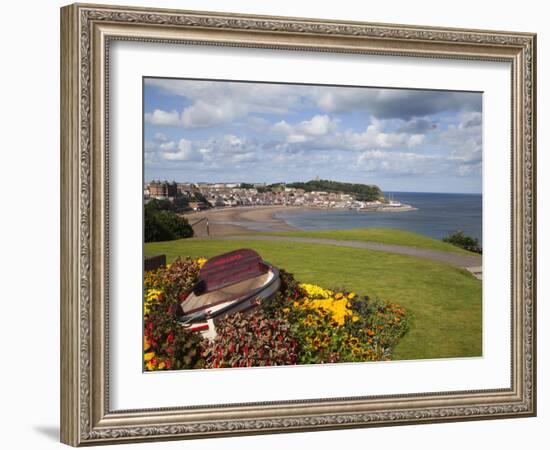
x=437 y=216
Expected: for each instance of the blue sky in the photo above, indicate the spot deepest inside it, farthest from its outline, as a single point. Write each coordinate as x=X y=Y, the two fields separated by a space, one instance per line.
x=399 y=139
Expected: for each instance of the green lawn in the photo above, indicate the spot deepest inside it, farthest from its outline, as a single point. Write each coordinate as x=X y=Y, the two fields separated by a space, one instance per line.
x=381 y=235
x=445 y=301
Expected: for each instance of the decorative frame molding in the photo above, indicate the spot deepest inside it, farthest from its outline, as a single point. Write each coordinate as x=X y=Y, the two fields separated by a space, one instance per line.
x=86 y=31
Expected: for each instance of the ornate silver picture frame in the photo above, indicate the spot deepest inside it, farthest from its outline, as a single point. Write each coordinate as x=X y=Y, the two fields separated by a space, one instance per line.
x=87 y=33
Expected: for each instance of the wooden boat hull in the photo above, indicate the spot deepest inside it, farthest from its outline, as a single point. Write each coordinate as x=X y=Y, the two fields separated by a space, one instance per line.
x=201 y=307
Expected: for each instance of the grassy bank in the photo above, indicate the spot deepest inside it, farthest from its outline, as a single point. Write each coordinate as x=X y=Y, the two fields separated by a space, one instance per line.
x=445 y=301
x=381 y=235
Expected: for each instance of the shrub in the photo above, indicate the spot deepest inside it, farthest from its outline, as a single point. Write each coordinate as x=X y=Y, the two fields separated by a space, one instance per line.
x=290 y=290
x=251 y=339
x=167 y=345
x=164 y=225
x=339 y=326
x=301 y=324
x=459 y=239
x=379 y=324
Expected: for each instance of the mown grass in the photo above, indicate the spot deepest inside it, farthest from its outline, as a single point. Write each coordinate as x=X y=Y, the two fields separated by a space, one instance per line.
x=445 y=301
x=381 y=235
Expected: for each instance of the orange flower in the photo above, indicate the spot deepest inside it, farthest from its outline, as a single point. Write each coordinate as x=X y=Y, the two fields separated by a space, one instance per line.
x=146 y=344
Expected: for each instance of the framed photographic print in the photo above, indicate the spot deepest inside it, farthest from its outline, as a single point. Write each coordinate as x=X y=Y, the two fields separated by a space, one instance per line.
x=277 y=224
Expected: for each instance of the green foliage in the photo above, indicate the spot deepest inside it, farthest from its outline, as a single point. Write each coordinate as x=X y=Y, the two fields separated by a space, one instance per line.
x=159 y=205
x=181 y=204
x=251 y=339
x=164 y=224
x=361 y=192
x=459 y=239
x=304 y=324
x=290 y=290
x=380 y=324
x=369 y=332
x=167 y=344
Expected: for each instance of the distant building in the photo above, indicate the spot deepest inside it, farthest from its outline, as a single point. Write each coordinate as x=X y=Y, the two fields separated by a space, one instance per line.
x=162 y=190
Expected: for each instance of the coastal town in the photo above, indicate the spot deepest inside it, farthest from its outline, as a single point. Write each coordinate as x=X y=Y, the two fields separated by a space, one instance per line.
x=202 y=196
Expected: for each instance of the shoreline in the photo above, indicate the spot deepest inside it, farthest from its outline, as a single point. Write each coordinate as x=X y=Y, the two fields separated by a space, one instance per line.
x=239 y=220
x=246 y=219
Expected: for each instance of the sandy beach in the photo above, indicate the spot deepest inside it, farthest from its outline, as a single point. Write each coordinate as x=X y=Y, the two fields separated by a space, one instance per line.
x=239 y=220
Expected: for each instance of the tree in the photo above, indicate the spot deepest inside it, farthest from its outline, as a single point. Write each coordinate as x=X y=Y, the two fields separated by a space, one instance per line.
x=459 y=239
x=163 y=225
x=160 y=205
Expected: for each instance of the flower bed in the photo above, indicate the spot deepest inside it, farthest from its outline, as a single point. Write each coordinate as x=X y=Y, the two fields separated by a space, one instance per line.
x=301 y=324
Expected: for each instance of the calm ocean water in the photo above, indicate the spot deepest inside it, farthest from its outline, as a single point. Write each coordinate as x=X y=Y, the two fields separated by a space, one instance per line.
x=438 y=215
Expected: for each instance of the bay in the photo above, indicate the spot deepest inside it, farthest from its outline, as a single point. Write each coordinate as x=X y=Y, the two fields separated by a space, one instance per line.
x=437 y=215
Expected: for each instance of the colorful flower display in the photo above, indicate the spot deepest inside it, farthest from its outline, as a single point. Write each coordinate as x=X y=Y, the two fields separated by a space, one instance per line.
x=302 y=324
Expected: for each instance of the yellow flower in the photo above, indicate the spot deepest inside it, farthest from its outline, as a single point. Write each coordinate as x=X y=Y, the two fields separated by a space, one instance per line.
x=161 y=365
x=201 y=262
x=149 y=356
x=351 y=295
x=339 y=296
x=296 y=304
x=153 y=294
x=146 y=344
x=150 y=366
x=314 y=291
x=286 y=310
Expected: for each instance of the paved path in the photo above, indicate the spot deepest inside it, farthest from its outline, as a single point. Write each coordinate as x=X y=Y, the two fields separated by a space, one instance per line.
x=455 y=259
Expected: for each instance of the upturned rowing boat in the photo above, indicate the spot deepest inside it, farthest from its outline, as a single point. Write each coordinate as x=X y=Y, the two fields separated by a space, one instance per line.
x=228 y=283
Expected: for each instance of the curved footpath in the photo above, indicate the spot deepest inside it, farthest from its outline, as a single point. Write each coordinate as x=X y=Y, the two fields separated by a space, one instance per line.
x=470 y=262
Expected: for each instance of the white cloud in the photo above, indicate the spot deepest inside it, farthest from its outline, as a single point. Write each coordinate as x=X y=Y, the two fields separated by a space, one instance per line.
x=217 y=152
x=167 y=146
x=214 y=103
x=161 y=137
x=203 y=114
x=401 y=135
x=375 y=137
x=185 y=152
x=470 y=119
x=464 y=142
x=317 y=126
x=307 y=130
x=167 y=118
x=398 y=163
x=322 y=132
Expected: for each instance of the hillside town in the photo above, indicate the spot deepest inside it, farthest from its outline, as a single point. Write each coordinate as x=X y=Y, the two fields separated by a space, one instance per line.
x=200 y=196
